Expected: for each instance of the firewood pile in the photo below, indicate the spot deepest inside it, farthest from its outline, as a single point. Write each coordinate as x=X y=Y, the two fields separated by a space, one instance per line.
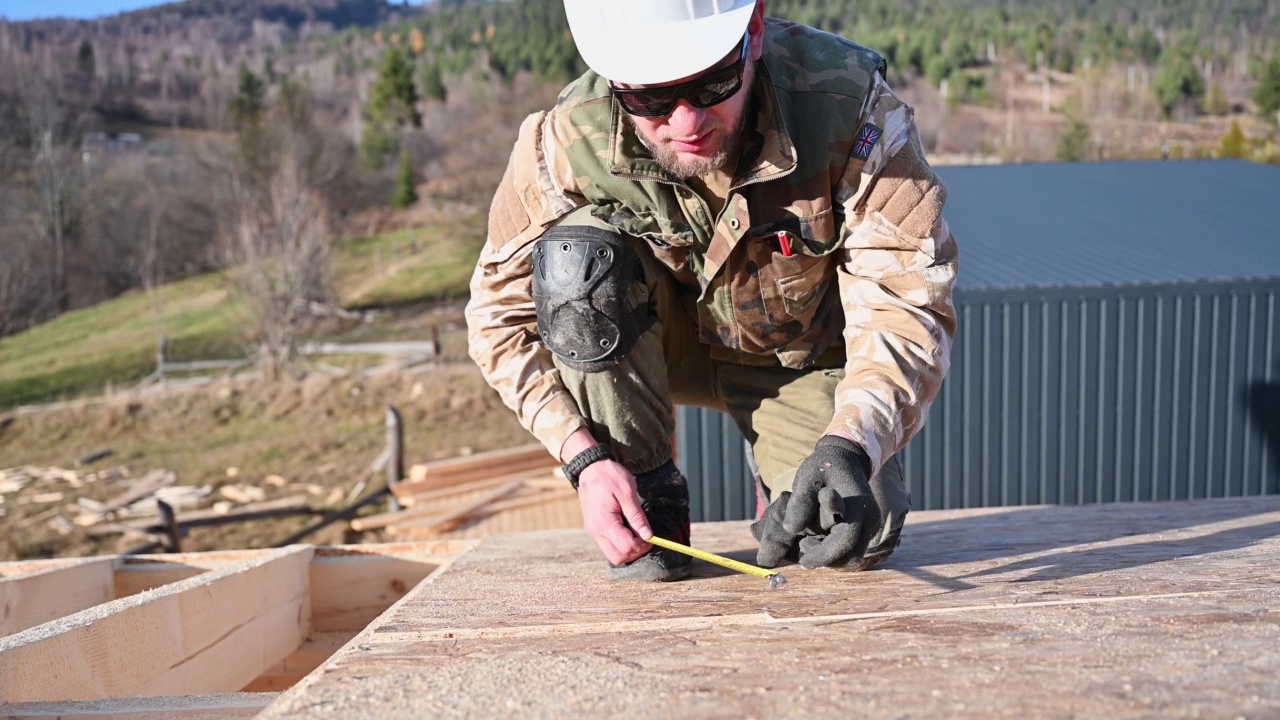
x=504 y=491
x=57 y=497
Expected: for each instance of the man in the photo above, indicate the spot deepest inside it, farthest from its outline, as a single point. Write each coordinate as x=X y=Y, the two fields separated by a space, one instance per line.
x=727 y=211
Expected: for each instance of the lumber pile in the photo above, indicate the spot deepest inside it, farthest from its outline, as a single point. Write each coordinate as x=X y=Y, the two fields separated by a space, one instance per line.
x=504 y=491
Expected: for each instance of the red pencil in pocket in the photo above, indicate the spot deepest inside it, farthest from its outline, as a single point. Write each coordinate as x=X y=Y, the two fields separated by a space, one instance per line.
x=784 y=243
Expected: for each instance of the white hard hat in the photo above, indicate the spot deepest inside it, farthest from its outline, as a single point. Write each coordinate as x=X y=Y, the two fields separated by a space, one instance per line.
x=645 y=42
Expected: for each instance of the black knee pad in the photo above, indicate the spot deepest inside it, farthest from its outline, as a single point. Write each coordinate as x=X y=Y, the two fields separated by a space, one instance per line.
x=582 y=277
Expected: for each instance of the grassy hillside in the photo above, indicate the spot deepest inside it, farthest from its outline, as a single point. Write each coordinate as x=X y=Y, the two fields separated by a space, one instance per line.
x=205 y=318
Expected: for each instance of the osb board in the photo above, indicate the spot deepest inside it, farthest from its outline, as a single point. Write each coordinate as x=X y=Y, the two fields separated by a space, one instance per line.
x=946 y=560
x=1112 y=611
x=1207 y=657
x=193 y=707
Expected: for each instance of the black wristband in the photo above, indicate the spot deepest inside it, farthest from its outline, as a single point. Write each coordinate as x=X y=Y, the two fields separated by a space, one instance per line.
x=593 y=454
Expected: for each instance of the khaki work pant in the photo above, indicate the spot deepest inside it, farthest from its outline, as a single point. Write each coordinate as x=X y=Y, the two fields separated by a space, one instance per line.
x=631 y=405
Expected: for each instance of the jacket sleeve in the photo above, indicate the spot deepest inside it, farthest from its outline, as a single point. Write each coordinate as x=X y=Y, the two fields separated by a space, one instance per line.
x=896 y=276
x=502 y=324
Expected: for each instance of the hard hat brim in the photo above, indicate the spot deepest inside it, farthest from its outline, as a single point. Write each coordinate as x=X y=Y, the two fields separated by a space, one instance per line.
x=653 y=51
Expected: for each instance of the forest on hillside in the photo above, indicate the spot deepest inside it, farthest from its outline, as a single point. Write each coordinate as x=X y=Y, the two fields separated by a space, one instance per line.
x=149 y=146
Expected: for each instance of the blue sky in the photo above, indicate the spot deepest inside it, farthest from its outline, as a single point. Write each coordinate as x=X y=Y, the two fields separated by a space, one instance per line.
x=30 y=9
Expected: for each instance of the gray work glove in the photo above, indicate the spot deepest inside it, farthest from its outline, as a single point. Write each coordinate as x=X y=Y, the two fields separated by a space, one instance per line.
x=835 y=515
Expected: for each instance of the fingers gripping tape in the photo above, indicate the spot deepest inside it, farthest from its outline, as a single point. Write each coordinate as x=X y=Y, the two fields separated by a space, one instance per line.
x=581 y=281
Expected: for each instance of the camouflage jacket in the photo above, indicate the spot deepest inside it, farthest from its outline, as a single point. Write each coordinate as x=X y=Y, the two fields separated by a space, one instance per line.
x=833 y=168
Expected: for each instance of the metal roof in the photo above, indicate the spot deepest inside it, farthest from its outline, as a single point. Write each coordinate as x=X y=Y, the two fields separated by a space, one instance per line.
x=1114 y=223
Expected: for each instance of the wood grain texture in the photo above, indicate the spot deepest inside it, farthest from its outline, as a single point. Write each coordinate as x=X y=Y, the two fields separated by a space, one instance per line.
x=537 y=509
x=195 y=707
x=1157 y=609
x=211 y=633
x=348 y=591
x=36 y=597
x=313 y=653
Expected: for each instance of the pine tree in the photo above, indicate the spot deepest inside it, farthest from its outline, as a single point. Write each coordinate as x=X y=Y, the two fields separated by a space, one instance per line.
x=1216 y=102
x=1179 y=82
x=1073 y=139
x=393 y=104
x=433 y=83
x=246 y=106
x=85 y=59
x=406 y=193
x=1267 y=94
x=1234 y=144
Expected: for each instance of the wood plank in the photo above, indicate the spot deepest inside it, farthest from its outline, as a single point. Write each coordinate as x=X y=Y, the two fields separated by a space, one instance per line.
x=547 y=510
x=230 y=706
x=150 y=483
x=133 y=578
x=137 y=573
x=538 y=478
x=433 y=503
x=431 y=527
x=1138 y=610
x=490 y=459
x=318 y=648
x=42 y=595
x=477 y=467
x=207 y=634
x=348 y=591
x=281 y=507
x=22 y=567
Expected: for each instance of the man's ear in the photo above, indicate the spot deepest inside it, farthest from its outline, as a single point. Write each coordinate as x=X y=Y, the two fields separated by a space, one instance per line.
x=756 y=29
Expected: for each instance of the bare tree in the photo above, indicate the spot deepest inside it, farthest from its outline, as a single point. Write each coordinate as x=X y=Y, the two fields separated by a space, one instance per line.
x=54 y=173
x=278 y=222
x=23 y=265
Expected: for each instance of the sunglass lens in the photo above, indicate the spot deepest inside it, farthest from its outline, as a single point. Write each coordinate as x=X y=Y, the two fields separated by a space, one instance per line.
x=647 y=104
x=716 y=90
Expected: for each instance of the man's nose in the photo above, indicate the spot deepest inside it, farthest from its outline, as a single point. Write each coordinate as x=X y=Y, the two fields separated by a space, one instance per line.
x=685 y=119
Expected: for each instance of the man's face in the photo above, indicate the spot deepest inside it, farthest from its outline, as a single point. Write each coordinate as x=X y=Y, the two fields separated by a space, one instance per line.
x=694 y=141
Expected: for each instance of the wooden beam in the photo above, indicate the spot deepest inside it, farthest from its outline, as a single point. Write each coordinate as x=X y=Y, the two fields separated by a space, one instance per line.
x=39 y=596
x=349 y=591
x=152 y=482
x=539 y=478
x=281 y=507
x=136 y=573
x=475 y=467
x=434 y=514
x=207 y=634
x=421 y=528
x=232 y=706
x=283 y=675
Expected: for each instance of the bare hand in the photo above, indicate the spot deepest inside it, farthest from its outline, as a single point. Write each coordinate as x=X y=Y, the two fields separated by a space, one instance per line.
x=610 y=511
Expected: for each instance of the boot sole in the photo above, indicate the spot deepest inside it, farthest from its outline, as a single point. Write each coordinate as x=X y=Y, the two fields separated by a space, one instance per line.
x=641 y=571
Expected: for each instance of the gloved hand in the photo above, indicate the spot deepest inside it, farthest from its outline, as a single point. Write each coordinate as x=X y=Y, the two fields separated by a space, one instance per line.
x=835 y=515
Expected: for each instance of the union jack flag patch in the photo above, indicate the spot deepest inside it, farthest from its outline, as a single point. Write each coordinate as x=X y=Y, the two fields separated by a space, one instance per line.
x=867 y=139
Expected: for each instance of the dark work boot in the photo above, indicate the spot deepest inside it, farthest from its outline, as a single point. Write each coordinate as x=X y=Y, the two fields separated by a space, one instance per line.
x=664 y=497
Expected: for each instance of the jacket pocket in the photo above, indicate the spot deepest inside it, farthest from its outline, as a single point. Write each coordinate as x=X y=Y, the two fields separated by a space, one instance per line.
x=776 y=295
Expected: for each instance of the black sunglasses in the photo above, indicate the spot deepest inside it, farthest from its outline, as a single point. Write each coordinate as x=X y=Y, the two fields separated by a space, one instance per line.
x=711 y=89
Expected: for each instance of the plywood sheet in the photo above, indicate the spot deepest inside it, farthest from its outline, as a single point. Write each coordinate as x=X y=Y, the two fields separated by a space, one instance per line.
x=947 y=559
x=1165 y=609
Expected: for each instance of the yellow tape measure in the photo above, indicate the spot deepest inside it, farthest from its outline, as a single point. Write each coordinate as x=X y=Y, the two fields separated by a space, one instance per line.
x=773 y=576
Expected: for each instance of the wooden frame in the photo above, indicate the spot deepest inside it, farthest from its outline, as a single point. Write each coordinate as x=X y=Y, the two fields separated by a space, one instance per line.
x=48 y=592
x=192 y=623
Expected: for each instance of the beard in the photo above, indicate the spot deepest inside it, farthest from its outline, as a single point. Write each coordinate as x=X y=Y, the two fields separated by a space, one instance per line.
x=668 y=158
